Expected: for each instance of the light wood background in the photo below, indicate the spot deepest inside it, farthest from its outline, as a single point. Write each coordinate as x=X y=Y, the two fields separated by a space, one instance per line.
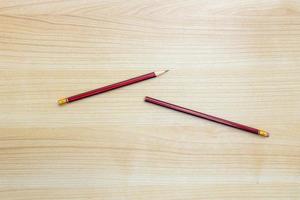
x=235 y=59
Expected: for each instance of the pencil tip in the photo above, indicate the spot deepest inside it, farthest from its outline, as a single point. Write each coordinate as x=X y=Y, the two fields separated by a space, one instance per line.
x=158 y=73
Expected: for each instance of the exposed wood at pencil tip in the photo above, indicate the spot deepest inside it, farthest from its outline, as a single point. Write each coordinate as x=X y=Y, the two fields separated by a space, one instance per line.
x=159 y=73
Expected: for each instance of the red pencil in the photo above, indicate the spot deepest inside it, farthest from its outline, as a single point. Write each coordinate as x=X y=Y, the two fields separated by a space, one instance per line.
x=110 y=87
x=206 y=116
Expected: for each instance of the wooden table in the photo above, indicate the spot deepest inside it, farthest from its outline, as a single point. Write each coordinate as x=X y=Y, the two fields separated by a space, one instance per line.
x=235 y=59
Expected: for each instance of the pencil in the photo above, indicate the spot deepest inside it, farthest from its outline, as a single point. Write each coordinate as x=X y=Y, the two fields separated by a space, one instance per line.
x=110 y=87
x=207 y=117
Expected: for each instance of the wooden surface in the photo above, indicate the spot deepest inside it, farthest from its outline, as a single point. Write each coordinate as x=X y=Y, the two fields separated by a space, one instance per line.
x=235 y=59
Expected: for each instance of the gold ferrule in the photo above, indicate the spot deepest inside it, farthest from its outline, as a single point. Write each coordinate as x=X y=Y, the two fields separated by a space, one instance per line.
x=263 y=133
x=62 y=101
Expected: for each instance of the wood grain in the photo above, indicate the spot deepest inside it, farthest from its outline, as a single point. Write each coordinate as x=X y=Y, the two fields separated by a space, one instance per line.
x=235 y=59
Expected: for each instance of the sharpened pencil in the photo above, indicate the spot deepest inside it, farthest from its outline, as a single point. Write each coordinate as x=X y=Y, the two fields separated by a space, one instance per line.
x=110 y=87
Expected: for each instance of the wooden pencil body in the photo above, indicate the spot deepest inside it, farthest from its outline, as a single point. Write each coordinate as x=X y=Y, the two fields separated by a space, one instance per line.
x=202 y=115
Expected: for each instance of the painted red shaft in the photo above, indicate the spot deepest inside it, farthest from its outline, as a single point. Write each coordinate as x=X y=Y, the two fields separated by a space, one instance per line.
x=111 y=87
x=202 y=115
